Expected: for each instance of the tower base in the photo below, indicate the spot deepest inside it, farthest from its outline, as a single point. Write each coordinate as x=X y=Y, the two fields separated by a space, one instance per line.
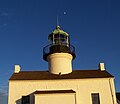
x=60 y=63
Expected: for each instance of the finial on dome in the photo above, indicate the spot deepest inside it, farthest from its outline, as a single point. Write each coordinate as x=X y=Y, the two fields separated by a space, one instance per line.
x=57 y=21
x=58 y=27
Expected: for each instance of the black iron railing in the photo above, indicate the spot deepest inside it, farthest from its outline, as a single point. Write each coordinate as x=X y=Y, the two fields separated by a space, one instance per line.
x=49 y=49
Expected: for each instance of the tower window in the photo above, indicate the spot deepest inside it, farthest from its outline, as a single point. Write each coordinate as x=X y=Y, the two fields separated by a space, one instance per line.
x=95 y=98
x=26 y=99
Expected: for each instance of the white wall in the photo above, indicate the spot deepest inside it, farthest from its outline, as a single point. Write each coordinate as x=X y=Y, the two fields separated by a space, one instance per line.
x=55 y=98
x=83 y=88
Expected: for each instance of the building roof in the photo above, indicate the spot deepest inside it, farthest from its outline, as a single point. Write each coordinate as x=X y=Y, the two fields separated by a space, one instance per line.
x=45 y=75
x=54 y=91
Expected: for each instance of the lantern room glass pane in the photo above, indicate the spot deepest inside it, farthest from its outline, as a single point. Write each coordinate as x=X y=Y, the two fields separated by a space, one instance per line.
x=60 y=39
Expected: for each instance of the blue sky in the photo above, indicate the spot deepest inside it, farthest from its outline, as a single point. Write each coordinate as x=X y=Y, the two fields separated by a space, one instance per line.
x=93 y=25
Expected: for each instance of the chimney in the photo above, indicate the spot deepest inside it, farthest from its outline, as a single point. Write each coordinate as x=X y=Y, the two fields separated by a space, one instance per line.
x=17 y=69
x=101 y=66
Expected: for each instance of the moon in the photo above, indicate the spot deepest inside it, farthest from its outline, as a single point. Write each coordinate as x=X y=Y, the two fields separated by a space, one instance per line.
x=64 y=13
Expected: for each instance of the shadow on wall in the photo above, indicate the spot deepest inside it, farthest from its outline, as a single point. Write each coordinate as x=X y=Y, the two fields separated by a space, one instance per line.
x=18 y=101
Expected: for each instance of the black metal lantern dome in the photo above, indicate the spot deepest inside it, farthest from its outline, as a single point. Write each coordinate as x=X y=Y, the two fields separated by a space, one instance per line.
x=59 y=43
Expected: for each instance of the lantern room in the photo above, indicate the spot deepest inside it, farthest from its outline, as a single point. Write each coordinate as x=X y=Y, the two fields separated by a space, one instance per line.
x=59 y=37
x=59 y=43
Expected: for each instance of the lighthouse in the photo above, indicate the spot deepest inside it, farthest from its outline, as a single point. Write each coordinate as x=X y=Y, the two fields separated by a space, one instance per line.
x=59 y=53
x=61 y=84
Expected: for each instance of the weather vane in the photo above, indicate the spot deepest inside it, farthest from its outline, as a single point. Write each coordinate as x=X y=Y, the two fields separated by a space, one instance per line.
x=57 y=21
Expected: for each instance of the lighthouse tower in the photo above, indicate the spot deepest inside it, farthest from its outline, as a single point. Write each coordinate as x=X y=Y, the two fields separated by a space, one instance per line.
x=59 y=53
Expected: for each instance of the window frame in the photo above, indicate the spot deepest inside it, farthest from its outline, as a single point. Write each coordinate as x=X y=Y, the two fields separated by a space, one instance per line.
x=95 y=98
x=27 y=98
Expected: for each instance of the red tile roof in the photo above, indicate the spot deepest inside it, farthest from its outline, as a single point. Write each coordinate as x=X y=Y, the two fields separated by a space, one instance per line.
x=45 y=75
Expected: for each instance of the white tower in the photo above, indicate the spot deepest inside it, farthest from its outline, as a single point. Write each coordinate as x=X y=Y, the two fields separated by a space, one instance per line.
x=59 y=53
